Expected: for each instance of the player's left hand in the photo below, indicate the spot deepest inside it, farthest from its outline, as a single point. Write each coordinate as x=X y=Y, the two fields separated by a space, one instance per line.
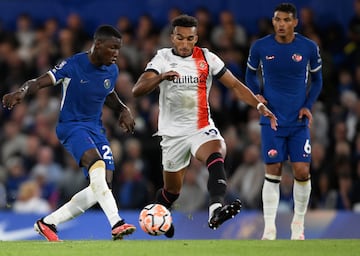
x=126 y=121
x=306 y=112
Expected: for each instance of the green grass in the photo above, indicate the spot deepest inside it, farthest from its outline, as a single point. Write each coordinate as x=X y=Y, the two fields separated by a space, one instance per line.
x=182 y=248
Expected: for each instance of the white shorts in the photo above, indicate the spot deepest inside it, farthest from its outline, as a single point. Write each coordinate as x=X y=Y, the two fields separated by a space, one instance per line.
x=177 y=151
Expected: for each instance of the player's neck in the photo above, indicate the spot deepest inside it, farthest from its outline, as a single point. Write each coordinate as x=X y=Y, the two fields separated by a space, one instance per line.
x=285 y=39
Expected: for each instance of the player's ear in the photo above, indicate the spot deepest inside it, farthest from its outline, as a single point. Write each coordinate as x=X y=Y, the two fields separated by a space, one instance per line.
x=196 y=39
x=296 y=21
x=172 y=37
x=97 y=43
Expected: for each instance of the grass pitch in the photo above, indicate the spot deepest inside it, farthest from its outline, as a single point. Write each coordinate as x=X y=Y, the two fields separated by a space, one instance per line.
x=182 y=248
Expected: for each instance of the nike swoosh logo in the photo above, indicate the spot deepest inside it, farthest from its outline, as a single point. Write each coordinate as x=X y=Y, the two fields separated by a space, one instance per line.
x=82 y=81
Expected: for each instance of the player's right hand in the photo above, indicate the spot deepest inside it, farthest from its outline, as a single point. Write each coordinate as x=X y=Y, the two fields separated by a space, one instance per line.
x=267 y=113
x=261 y=98
x=11 y=99
x=170 y=75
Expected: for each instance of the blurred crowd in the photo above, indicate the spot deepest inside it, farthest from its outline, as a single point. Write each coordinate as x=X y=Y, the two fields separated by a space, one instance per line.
x=37 y=175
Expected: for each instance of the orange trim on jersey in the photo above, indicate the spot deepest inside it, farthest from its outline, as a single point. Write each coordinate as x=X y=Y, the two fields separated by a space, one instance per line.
x=203 y=71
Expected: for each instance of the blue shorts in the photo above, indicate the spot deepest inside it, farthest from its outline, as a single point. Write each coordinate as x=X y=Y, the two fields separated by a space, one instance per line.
x=286 y=143
x=78 y=139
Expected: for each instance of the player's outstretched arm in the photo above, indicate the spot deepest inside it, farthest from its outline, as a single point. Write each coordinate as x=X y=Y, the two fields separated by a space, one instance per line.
x=29 y=87
x=149 y=80
x=243 y=93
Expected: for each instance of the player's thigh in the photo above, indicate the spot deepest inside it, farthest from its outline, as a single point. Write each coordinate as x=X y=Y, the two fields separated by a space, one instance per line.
x=299 y=145
x=205 y=142
x=103 y=146
x=79 y=142
x=273 y=144
x=176 y=153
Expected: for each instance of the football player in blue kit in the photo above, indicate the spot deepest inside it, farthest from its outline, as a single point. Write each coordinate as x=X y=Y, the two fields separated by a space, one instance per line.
x=291 y=73
x=87 y=81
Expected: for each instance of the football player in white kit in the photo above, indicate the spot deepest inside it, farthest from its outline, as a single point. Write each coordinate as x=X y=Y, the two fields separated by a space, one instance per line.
x=184 y=75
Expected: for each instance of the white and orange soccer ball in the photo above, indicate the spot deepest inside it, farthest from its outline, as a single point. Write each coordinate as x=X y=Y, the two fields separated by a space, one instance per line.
x=155 y=219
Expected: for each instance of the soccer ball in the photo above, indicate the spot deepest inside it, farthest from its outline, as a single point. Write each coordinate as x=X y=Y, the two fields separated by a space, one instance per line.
x=155 y=219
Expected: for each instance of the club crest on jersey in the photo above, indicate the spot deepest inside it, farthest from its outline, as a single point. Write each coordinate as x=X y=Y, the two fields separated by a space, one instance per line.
x=202 y=65
x=296 y=57
x=107 y=83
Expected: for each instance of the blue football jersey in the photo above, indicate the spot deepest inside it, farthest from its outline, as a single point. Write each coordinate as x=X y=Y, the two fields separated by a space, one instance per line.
x=286 y=72
x=84 y=88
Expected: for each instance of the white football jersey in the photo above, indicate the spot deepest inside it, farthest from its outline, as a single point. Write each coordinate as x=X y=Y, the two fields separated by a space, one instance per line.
x=183 y=103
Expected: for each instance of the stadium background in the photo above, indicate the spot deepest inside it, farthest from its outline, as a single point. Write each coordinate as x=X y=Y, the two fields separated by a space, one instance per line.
x=27 y=141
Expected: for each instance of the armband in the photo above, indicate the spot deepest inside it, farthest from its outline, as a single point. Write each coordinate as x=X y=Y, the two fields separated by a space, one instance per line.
x=259 y=105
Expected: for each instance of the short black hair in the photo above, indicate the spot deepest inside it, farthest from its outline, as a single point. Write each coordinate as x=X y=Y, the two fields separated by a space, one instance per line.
x=106 y=31
x=286 y=7
x=184 y=20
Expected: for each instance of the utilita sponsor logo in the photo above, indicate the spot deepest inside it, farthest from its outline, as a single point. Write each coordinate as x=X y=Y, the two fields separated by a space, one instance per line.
x=190 y=79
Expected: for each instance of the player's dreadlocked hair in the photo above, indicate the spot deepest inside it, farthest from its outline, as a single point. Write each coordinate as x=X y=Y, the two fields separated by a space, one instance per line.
x=184 y=20
x=286 y=7
x=105 y=32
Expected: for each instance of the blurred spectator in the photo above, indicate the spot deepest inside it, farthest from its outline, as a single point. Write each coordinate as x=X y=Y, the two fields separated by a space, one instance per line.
x=193 y=195
x=325 y=196
x=48 y=189
x=72 y=181
x=248 y=178
x=32 y=149
x=234 y=149
x=355 y=190
x=343 y=196
x=13 y=141
x=45 y=160
x=345 y=81
x=26 y=36
x=351 y=116
x=319 y=167
x=129 y=48
x=320 y=126
x=286 y=202
x=134 y=192
x=75 y=25
x=205 y=27
x=29 y=199
x=164 y=39
x=14 y=68
x=67 y=43
x=307 y=24
x=228 y=33
x=16 y=174
x=252 y=132
x=3 y=194
x=265 y=27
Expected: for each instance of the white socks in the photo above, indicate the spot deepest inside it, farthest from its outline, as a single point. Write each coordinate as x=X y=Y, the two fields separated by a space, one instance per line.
x=270 y=197
x=301 y=193
x=78 y=204
x=97 y=191
x=102 y=193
